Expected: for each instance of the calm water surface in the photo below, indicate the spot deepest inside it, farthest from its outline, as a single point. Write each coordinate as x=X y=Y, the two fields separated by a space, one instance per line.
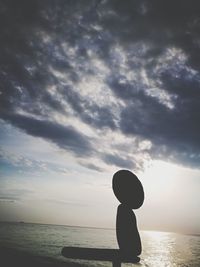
x=159 y=249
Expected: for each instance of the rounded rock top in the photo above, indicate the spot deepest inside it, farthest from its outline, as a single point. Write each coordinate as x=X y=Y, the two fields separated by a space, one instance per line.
x=128 y=189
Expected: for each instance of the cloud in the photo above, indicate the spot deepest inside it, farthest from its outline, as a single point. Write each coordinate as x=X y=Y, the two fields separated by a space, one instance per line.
x=13 y=195
x=92 y=166
x=65 y=203
x=129 y=68
x=116 y=160
x=15 y=162
x=8 y=199
x=64 y=136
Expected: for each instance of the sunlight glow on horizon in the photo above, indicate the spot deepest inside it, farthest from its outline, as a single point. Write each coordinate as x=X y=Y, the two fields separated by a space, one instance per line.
x=171 y=199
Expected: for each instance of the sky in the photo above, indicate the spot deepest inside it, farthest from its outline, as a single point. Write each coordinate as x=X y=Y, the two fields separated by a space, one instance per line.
x=88 y=88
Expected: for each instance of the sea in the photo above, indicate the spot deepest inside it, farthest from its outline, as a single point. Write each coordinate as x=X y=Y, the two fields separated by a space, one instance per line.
x=160 y=249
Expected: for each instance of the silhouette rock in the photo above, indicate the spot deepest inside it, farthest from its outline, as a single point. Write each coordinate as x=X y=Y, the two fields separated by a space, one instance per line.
x=129 y=191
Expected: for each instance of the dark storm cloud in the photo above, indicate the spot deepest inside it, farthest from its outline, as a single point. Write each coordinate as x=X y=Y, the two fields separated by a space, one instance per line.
x=65 y=137
x=26 y=59
x=173 y=133
x=41 y=41
x=90 y=113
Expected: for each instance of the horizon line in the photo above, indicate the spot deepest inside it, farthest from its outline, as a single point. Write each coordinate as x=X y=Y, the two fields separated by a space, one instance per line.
x=95 y=227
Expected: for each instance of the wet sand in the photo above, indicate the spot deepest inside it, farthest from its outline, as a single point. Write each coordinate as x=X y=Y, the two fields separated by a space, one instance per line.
x=17 y=258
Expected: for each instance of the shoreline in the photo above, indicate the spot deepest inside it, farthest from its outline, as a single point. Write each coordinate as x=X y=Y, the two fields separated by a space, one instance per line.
x=11 y=257
x=94 y=227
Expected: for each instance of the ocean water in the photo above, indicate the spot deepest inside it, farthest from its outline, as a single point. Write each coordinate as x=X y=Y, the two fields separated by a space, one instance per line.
x=160 y=249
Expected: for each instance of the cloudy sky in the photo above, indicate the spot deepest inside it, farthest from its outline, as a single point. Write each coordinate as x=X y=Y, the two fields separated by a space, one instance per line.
x=91 y=87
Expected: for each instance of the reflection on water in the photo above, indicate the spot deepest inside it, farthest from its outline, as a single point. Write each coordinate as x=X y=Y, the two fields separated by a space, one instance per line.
x=159 y=249
x=170 y=249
